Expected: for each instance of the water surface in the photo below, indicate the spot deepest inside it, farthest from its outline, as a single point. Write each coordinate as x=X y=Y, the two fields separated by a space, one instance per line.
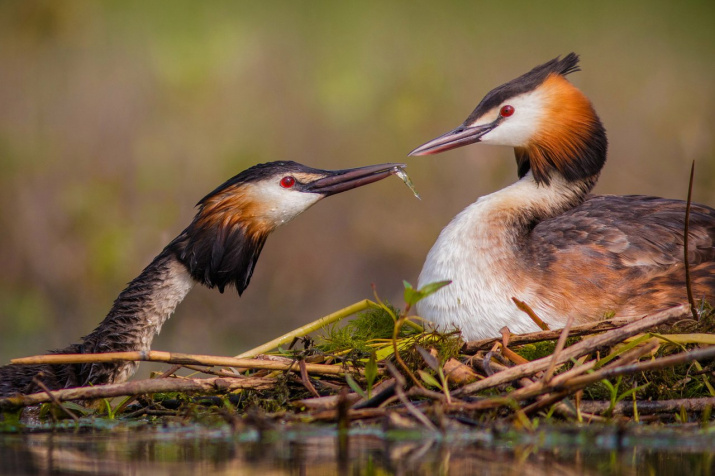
x=189 y=450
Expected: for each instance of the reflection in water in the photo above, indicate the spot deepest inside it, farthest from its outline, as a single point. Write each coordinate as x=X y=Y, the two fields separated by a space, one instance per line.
x=197 y=450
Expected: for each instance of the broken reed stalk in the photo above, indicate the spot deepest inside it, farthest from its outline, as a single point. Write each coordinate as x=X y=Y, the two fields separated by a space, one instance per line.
x=707 y=353
x=614 y=370
x=557 y=351
x=140 y=387
x=36 y=380
x=561 y=387
x=576 y=331
x=564 y=381
x=400 y=393
x=650 y=407
x=524 y=307
x=308 y=328
x=606 y=339
x=182 y=359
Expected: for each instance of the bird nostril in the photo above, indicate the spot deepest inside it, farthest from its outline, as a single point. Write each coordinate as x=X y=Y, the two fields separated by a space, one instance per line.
x=287 y=182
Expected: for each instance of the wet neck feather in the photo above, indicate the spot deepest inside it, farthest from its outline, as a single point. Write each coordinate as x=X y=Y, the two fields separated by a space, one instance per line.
x=135 y=319
x=139 y=311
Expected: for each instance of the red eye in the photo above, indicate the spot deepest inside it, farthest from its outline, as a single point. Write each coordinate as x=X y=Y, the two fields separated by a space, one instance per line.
x=287 y=181
x=506 y=111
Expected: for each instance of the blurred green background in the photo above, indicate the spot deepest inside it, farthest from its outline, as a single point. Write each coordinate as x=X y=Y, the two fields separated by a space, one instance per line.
x=116 y=117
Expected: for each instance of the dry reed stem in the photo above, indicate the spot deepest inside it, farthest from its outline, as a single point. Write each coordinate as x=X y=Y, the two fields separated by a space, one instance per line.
x=306 y=380
x=400 y=393
x=513 y=356
x=524 y=307
x=308 y=328
x=612 y=370
x=182 y=359
x=606 y=339
x=36 y=380
x=576 y=331
x=557 y=351
x=686 y=232
x=565 y=383
x=140 y=387
x=650 y=407
x=561 y=387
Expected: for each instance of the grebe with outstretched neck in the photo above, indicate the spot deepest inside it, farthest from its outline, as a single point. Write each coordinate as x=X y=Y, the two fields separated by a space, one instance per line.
x=218 y=249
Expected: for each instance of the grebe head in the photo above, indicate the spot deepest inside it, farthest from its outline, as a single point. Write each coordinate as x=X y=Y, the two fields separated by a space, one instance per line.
x=222 y=244
x=550 y=123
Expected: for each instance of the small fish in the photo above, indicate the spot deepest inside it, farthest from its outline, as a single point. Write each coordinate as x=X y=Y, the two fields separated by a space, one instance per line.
x=405 y=178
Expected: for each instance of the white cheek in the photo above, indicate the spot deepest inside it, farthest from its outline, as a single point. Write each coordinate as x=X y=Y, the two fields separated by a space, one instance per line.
x=518 y=129
x=292 y=203
x=282 y=205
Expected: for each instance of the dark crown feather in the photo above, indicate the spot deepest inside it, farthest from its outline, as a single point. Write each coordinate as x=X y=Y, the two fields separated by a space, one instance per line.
x=525 y=83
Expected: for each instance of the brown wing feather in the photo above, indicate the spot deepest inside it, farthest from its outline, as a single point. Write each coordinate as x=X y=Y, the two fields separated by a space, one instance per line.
x=623 y=254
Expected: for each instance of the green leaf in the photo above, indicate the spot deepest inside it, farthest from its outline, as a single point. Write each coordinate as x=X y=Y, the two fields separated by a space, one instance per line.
x=413 y=296
x=432 y=288
x=78 y=408
x=371 y=371
x=632 y=391
x=353 y=384
x=429 y=379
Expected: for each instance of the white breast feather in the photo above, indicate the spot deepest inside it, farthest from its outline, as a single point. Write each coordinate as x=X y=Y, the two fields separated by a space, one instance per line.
x=477 y=254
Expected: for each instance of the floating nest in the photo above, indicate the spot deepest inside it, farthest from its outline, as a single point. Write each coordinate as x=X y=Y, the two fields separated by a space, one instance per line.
x=384 y=367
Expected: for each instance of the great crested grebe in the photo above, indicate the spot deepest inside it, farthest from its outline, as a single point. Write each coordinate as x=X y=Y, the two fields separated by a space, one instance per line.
x=544 y=239
x=219 y=248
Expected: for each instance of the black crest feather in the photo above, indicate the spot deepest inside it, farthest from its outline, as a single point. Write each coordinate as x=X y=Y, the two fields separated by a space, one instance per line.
x=524 y=83
x=217 y=256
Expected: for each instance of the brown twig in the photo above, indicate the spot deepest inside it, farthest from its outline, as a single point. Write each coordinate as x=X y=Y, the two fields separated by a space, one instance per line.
x=524 y=307
x=573 y=380
x=557 y=351
x=580 y=330
x=140 y=387
x=686 y=233
x=204 y=370
x=649 y=407
x=168 y=372
x=513 y=356
x=670 y=361
x=405 y=401
x=567 y=387
x=565 y=380
x=306 y=379
x=582 y=348
x=36 y=380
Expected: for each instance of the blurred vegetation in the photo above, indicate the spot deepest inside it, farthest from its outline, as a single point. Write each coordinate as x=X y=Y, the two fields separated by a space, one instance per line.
x=117 y=116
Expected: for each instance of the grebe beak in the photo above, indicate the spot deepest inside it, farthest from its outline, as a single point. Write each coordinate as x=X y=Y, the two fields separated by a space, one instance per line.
x=460 y=136
x=337 y=181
